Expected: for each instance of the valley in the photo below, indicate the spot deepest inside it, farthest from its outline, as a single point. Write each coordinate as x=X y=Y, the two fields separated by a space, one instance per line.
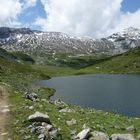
x=23 y=62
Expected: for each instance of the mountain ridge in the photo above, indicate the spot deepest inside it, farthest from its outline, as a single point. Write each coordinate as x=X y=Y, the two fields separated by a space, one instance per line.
x=39 y=43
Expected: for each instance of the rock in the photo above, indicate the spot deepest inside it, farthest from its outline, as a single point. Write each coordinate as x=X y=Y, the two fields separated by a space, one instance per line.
x=31 y=96
x=97 y=67
x=32 y=129
x=27 y=137
x=122 y=137
x=73 y=132
x=84 y=134
x=41 y=130
x=99 y=136
x=66 y=110
x=41 y=137
x=59 y=102
x=44 y=100
x=131 y=128
x=55 y=134
x=71 y=122
x=48 y=127
x=39 y=117
x=31 y=107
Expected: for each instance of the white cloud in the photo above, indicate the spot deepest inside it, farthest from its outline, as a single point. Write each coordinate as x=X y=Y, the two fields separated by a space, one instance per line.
x=86 y=17
x=9 y=10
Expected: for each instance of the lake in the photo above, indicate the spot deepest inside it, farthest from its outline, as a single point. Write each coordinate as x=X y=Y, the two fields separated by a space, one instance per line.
x=115 y=93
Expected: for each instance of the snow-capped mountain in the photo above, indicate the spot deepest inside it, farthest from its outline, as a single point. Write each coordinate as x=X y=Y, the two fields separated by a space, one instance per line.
x=30 y=41
x=128 y=38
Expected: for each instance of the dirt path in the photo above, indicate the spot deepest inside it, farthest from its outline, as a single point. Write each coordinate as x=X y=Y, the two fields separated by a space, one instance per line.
x=4 y=111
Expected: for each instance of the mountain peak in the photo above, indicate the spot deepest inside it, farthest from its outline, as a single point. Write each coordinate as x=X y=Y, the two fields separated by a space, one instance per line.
x=26 y=40
x=6 y=32
x=131 y=33
x=131 y=29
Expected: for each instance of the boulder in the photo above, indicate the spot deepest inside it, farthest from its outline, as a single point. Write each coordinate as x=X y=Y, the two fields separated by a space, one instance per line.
x=39 y=117
x=99 y=136
x=84 y=134
x=66 y=110
x=27 y=137
x=41 y=137
x=131 y=128
x=31 y=96
x=122 y=137
x=71 y=122
x=59 y=102
x=55 y=134
x=31 y=107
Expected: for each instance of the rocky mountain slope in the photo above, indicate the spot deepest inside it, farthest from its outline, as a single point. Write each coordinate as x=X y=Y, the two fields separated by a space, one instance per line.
x=37 y=42
x=128 y=38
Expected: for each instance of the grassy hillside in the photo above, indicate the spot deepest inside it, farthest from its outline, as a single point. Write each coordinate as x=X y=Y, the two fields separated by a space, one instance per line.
x=16 y=57
x=20 y=78
x=128 y=62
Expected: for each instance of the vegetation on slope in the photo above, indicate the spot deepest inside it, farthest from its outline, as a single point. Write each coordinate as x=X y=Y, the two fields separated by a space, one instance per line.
x=20 y=78
x=16 y=57
x=24 y=57
x=128 y=62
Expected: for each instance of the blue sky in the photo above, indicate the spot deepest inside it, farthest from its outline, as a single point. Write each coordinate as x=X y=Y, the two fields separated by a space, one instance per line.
x=130 y=5
x=31 y=13
x=96 y=18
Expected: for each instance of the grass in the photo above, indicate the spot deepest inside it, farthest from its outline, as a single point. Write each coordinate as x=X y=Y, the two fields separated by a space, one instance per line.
x=21 y=77
x=24 y=57
x=95 y=119
x=127 y=63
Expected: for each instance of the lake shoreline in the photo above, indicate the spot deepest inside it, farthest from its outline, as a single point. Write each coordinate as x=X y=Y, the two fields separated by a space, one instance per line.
x=59 y=95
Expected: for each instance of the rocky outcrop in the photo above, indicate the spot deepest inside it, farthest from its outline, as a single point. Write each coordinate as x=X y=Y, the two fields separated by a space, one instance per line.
x=43 y=127
x=59 y=102
x=39 y=117
x=71 y=122
x=122 y=137
x=29 y=41
x=131 y=128
x=99 y=136
x=84 y=134
x=31 y=96
x=66 y=110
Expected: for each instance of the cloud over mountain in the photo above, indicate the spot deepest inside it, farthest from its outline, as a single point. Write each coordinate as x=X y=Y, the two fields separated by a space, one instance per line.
x=9 y=10
x=96 y=18
x=86 y=17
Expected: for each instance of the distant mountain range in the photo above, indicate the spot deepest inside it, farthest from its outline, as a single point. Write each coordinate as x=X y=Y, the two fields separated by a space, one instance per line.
x=34 y=42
